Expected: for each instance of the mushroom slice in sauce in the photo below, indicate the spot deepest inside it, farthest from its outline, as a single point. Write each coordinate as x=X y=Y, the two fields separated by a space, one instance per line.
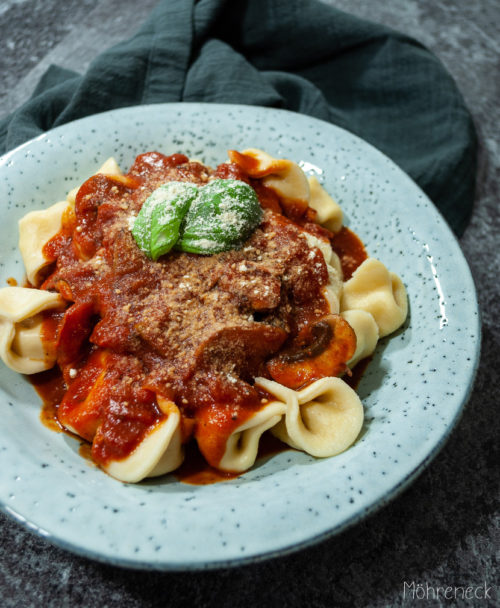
x=322 y=350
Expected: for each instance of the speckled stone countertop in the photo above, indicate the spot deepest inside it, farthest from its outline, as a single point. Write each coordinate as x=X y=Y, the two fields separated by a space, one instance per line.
x=442 y=531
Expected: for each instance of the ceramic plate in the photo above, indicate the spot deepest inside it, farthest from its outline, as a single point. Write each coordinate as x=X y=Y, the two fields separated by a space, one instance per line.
x=412 y=392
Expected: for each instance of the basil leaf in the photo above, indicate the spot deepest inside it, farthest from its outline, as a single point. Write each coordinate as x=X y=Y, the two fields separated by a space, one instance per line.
x=156 y=228
x=222 y=217
x=217 y=217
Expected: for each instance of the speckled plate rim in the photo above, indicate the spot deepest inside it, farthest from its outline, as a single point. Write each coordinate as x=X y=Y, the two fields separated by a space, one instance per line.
x=358 y=514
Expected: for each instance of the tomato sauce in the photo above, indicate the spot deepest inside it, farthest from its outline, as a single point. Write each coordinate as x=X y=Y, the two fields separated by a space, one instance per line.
x=196 y=471
x=193 y=329
x=350 y=249
x=85 y=451
x=354 y=377
x=51 y=388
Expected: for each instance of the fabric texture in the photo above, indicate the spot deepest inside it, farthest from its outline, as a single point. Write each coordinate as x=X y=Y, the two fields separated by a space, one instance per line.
x=300 y=55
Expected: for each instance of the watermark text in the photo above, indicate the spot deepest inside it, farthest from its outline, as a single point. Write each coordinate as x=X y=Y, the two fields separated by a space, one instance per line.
x=424 y=591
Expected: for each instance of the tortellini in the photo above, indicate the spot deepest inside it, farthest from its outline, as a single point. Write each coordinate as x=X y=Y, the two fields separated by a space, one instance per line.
x=158 y=453
x=80 y=411
x=35 y=229
x=333 y=290
x=21 y=345
x=283 y=176
x=366 y=331
x=243 y=444
x=322 y=419
x=329 y=213
x=295 y=190
x=381 y=293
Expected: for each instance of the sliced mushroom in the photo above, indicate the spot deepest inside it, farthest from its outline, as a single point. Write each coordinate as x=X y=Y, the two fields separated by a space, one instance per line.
x=243 y=348
x=323 y=351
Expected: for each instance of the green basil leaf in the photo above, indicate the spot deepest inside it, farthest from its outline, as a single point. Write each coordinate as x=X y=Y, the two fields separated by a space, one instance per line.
x=222 y=217
x=156 y=228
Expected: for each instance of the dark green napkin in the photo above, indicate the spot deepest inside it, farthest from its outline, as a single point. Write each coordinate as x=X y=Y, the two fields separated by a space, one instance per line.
x=295 y=54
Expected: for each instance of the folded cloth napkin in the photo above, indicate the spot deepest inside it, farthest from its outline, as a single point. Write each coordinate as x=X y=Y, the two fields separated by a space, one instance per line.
x=300 y=55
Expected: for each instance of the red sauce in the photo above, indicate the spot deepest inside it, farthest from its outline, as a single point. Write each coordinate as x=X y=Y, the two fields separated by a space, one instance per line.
x=350 y=249
x=269 y=445
x=123 y=426
x=52 y=319
x=232 y=171
x=354 y=377
x=248 y=164
x=294 y=208
x=268 y=198
x=50 y=384
x=134 y=329
x=85 y=451
x=196 y=471
x=51 y=388
x=56 y=245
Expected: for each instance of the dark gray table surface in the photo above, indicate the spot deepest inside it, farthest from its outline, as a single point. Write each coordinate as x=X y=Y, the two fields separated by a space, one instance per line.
x=443 y=530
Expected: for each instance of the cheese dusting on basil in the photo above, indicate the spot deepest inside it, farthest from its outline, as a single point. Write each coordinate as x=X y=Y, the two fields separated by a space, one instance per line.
x=204 y=220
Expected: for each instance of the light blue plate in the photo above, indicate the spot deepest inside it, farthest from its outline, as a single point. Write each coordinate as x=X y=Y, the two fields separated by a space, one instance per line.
x=413 y=391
